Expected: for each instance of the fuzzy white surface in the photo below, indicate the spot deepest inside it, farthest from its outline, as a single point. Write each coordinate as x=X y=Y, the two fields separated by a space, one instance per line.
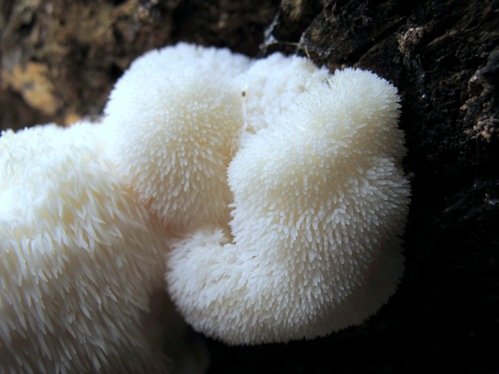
x=279 y=184
x=319 y=206
x=79 y=259
x=176 y=116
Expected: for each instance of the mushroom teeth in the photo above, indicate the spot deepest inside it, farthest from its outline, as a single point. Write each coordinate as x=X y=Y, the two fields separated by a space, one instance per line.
x=79 y=259
x=320 y=203
x=173 y=140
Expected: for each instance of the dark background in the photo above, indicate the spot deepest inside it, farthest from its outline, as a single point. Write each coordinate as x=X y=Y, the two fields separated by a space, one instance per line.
x=59 y=60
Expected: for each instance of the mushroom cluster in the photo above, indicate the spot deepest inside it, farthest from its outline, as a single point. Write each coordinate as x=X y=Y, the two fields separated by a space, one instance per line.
x=267 y=193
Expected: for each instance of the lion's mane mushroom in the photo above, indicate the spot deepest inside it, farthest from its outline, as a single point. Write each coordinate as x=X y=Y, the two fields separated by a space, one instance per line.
x=273 y=84
x=80 y=260
x=183 y=110
x=320 y=203
x=307 y=164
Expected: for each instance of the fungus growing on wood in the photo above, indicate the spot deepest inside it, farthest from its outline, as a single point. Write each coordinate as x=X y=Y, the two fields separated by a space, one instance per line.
x=320 y=203
x=278 y=186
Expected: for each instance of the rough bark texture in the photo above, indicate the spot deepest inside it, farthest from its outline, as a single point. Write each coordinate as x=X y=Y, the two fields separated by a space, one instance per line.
x=60 y=59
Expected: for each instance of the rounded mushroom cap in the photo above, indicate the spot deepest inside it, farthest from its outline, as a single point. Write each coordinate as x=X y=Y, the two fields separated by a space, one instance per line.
x=176 y=119
x=79 y=259
x=320 y=203
x=273 y=85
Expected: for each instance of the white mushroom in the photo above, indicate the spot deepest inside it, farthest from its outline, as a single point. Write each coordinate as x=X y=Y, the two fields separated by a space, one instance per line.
x=307 y=164
x=273 y=84
x=320 y=203
x=176 y=116
x=79 y=259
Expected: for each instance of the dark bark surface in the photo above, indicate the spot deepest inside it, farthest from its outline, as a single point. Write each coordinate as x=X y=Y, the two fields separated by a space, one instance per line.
x=58 y=63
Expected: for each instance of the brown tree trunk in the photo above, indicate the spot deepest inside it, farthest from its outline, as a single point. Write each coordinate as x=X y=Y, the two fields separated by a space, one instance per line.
x=59 y=60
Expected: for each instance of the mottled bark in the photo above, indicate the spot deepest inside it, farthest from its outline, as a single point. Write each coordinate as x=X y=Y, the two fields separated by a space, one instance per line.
x=59 y=59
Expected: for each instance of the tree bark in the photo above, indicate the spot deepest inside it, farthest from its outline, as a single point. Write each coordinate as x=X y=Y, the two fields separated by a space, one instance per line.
x=59 y=61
